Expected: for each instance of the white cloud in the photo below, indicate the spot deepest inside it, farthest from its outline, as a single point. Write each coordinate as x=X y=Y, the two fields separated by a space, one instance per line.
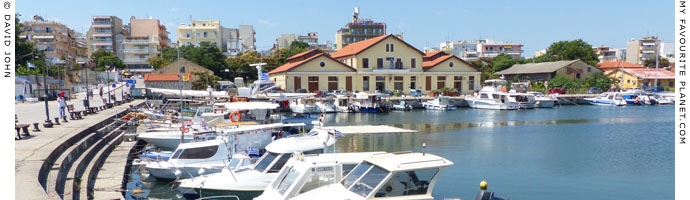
x=174 y=9
x=265 y=22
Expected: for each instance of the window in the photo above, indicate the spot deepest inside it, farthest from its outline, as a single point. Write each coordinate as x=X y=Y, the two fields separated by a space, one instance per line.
x=413 y=63
x=205 y=34
x=189 y=34
x=398 y=84
x=365 y=62
x=332 y=83
x=266 y=160
x=286 y=181
x=380 y=83
x=484 y=96
x=198 y=153
x=471 y=85
x=388 y=47
x=413 y=82
x=409 y=183
x=369 y=181
x=317 y=180
x=398 y=63
x=392 y=48
x=313 y=83
x=322 y=64
x=379 y=63
x=451 y=64
x=589 y=69
x=355 y=174
x=457 y=83
x=440 y=82
x=279 y=164
x=365 y=83
x=198 y=34
x=577 y=76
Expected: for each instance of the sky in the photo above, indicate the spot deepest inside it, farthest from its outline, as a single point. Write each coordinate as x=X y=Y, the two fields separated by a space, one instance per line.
x=533 y=23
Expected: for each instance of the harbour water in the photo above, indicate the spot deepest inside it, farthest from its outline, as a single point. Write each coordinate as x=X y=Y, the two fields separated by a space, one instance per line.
x=569 y=152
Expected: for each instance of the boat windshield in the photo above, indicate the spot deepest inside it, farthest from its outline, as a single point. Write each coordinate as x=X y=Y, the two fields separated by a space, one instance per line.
x=369 y=181
x=355 y=174
x=285 y=180
x=196 y=153
x=265 y=160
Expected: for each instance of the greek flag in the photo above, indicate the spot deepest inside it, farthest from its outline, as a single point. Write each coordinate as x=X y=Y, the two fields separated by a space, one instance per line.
x=337 y=134
x=29 y=65
x=264 y=76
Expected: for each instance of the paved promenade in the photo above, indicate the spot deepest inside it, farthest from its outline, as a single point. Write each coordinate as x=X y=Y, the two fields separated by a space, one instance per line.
x=31 y=152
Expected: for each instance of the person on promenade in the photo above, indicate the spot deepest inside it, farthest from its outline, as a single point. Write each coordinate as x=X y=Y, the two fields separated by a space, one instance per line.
x=100 y=92
x=62 y=93
x=62 y=104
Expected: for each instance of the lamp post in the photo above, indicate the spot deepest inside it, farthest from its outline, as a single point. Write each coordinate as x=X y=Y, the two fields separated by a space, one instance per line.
x=179 y=69
x=107 y=81
x=47 y=123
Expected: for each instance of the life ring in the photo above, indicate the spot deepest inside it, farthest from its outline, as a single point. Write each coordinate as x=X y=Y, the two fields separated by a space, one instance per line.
x=232 y=118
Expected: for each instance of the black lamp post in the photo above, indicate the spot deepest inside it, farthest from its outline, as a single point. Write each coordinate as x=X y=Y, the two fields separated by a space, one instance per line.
x=107 y=80
x=47 y=123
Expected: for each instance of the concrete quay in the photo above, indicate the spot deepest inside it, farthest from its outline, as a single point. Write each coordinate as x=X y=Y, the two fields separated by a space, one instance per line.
x=39 y=152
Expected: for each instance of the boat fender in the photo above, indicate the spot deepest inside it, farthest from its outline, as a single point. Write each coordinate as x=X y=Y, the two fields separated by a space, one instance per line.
x=233 y=114
x=201 y=171
x=178 y=173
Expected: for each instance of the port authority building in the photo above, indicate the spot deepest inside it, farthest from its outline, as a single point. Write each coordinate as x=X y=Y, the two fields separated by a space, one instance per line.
x=544 y=71
x=383 y=63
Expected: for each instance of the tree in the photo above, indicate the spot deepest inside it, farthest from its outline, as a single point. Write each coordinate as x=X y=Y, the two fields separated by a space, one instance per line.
x=109 y=62
x=98 y=54
x=299 y=45
x=200 y=82
x=206 y=55
x=563 y=82
x=504 y=61
x=574 y=49
x=600 y=81
x=157 y=62
x=651 y=63
x=542 y=58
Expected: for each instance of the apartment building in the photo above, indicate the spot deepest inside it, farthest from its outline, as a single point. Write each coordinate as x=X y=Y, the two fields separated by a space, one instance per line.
x=146 y=39
x=226 y=39
x=149 y=27
x=640 y=50
x=383 y=63
x=311 y=38
x=605 y=53
x=358 y=30
x=487 y=48
x=57 y=41
x=106 y=32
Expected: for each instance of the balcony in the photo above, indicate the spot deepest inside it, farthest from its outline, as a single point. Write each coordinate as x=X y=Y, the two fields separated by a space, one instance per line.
x=110 y=41
x=141 y=41
x=135 y=60
x=140 y=50
x=391 y=70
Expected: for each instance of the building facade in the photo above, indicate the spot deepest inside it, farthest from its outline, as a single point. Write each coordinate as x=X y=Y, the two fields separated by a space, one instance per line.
x=147 y=38
x=168 y=81
x=605 y=53
x=540 y=72
x=358 y=30
x=284 y=41
x=384 y=63
x=106 y=32
x=311 y=38
x=226 y=39
x=149 y=28
x=643 y=78
x=57 y=41
x=246 y=35
x=487 y=48
x=640 y=50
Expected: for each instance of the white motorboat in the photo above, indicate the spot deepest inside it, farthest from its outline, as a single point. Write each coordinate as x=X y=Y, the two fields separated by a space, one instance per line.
x=192 y=159
x=249 y=182
x=370 y=103
x=440 y=103
x=660 y=99
x=388 y=176
x=607 y=99
x=169 y=140
x=343 y=103
x=492 y=96
x=326 y=106
x=304 y=173
x=403 y=105
x=304 y=105
x=542 y=100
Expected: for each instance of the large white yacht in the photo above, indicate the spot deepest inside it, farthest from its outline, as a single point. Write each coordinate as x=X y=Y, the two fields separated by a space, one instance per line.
x=492 y=96
x=304 y=173
x=389 y=176
x=249 y=182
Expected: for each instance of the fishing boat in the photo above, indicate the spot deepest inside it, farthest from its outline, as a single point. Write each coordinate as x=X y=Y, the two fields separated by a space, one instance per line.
x=343 y=103
x=390 y=176
x=403 y=106
x=250 y=182
x=542 y=100
x=304 y=105
x=440 y=103
x=326 y=106
x=492 y=96
x=303 y=173
x=370 y=103
x=607 y=99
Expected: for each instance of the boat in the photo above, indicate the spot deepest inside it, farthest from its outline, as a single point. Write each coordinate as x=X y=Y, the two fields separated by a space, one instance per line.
x=326 y=106
x=403 y=105
x=607 y=99
x=250 y=182
x=371 y=103
x=389 y=176
x=542 y=100
x=440 y=103
x=660 y=99
x=303 y=173
x=169 y=140
x=304 y=105
x=192 y=159
x=518 y=93
x=492 y=96
x=343 y=103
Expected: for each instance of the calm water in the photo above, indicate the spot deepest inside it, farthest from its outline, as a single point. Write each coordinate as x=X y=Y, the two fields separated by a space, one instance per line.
x=570 y=152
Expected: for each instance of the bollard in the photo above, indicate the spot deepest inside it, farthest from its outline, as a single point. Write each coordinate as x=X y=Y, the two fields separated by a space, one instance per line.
x=57 y=121
x=64 y=119
x=36 y=128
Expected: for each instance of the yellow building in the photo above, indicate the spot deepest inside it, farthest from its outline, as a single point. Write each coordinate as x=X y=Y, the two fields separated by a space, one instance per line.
x=384 y=63
x=201 y=31
x=138 y=50
x=643 y=78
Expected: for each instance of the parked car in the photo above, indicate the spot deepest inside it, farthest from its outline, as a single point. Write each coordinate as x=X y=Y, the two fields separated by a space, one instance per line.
x=594 y=90
x=557 y=91
x=302 y=91
x=416 y=93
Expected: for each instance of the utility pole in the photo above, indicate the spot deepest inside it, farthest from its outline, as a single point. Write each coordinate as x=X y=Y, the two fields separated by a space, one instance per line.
x=47 y=123
x=179 y=69
x=657 y=66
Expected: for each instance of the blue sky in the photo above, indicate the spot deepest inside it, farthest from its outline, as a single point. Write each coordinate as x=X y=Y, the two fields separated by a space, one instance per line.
x=535 y=24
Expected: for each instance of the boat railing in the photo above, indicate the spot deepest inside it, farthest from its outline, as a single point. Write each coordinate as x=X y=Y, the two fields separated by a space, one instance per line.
x=420 y=162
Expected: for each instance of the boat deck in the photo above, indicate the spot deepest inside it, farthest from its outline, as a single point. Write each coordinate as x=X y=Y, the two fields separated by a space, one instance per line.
x=369 y=129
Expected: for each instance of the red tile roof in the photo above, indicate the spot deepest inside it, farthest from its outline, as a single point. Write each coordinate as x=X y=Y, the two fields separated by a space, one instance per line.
x=430 y=64
x=614 y=64
x=432 y=54
x=358 y=47
x=650 y=73
x=166 y=77
x=291 y=65
x=314 y=51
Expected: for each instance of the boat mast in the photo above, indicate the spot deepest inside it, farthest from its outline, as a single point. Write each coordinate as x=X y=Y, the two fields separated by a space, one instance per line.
x=657 y=65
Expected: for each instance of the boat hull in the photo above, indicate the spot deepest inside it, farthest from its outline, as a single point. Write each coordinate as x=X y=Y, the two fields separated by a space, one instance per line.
x=491 y=105
x=438 y=107
x=222 y=194
x=546 y=104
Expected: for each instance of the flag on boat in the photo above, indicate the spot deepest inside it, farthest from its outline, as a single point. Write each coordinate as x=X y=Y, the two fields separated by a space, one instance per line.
x=265 y=76
x=30 y=66
x=337 y=134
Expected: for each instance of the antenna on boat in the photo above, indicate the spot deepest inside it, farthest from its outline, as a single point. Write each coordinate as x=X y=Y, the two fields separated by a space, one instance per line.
x=424 y=148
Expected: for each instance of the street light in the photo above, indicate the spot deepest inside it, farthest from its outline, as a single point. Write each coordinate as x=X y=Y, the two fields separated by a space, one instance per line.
x=47 y=123
x=107 y=80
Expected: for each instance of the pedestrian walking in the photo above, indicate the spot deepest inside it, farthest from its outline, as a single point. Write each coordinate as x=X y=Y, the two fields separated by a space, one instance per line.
x=62 y=93
x=100 y=92
x=62 y=104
